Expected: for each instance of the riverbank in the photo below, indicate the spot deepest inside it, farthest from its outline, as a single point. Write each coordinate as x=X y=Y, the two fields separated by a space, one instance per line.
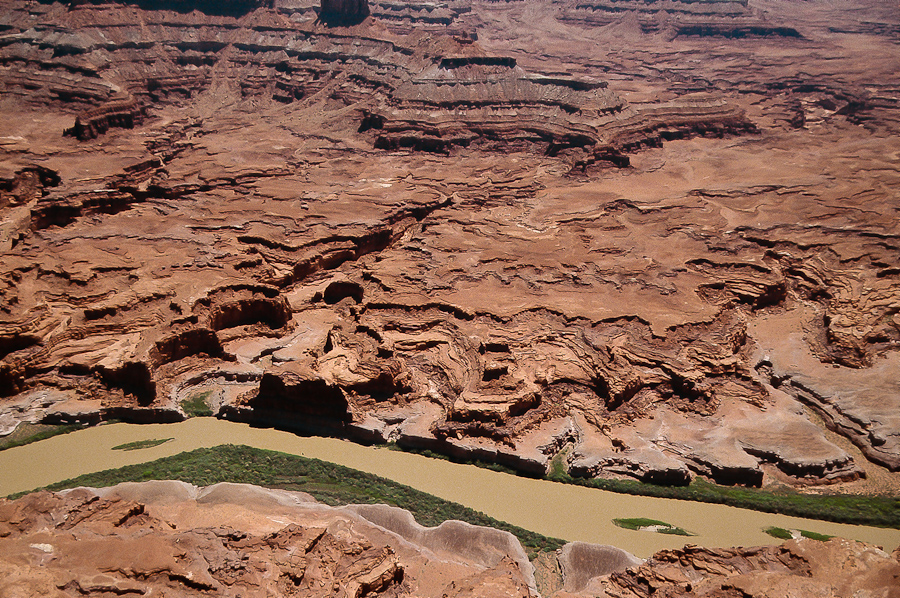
x=329 y=483
x=556 y=510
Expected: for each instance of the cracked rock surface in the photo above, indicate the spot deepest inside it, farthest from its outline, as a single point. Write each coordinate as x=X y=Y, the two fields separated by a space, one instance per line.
x=168 y=538
x=796 y=568
x=173 y=539
x=658 y=239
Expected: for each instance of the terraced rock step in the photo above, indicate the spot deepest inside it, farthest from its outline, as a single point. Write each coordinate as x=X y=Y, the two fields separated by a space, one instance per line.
x=500 y=231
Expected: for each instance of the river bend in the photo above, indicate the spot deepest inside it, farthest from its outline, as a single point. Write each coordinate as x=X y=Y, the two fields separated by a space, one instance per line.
x=560 y=510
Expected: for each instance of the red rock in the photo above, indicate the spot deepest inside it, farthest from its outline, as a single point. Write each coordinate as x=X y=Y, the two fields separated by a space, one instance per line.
x=170 y=537
x=235 y=539
x=580 y=230
x=345 y=9
x=796 y=568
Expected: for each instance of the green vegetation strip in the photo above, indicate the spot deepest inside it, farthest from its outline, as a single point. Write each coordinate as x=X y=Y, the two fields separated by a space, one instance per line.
x=641 y=523
x=196 y=406
x=141 y=444
x=878 y=511
x=28 y=433
x=785 y=534
x=327 y=482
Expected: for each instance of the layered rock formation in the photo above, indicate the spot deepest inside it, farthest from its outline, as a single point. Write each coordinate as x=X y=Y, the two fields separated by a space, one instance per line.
x=488 y=102
x=796 y=568
x=171 y=538
x=235 y=540
x=713 y=18
x=565 y=238
x=344 y=11
x=123 y=112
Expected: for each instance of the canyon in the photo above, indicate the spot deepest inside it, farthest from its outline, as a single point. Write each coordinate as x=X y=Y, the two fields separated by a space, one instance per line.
x=647 y=240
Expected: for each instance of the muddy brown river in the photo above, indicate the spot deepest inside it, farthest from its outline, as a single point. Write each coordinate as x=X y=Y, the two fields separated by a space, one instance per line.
x=560 y=510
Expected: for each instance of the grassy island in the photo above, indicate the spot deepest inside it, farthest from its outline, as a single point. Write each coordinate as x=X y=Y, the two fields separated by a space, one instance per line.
x=141 y=444
x=642 y=524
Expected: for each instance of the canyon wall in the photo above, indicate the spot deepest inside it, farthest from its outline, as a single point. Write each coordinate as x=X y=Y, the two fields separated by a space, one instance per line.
x=507 y=231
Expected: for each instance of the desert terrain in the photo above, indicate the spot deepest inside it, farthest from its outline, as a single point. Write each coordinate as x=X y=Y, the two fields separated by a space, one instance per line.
x=169 y=538
x=654 y=241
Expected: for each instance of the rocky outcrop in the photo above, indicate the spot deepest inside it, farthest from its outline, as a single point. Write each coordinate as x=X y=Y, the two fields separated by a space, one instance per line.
x=26 y=185
x=482 y=101
x=443 y=18
x=237 y=539
x=210 y=7
x=232 y=540
x=489 y=102
x=344 y=11
x=582 y=563
x=124 y=113
x=717 y=18
x=556 y=242
x=867 y=417
x=800 y=567
x=487 y=547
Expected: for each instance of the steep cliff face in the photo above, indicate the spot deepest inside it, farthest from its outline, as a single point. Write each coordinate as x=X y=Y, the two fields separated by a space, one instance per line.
x=486 y=229
x=344 y=11
x=716 y=18
x=458 y=102
x=210 y=7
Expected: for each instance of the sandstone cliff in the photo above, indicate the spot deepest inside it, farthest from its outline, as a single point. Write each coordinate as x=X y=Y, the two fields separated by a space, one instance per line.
x=493 y=230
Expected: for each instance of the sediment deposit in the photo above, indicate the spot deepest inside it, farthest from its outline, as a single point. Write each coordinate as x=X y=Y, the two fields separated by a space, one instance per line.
x=504 y=231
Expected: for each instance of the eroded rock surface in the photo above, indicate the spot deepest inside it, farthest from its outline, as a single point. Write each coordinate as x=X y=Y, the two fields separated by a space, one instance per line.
x=796 y=568
x=501 y=231
x=171 y=538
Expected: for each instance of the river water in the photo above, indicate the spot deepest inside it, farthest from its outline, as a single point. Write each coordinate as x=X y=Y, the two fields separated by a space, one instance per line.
x=559 y=510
